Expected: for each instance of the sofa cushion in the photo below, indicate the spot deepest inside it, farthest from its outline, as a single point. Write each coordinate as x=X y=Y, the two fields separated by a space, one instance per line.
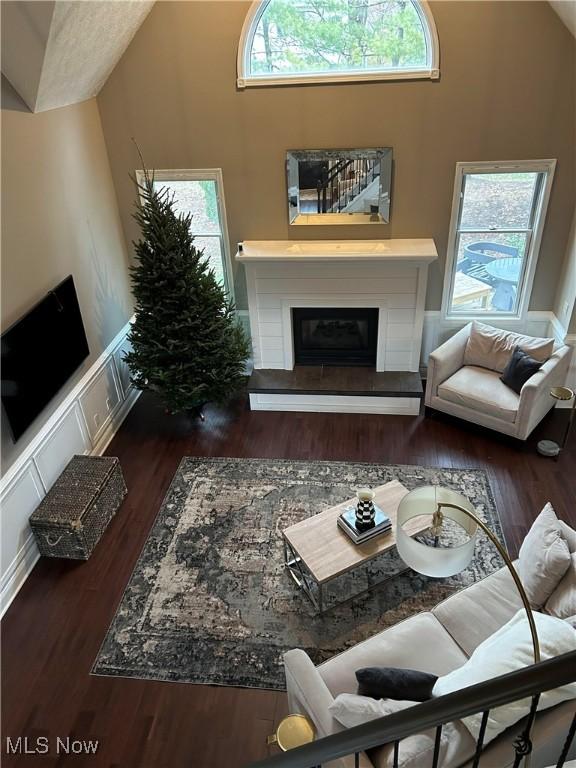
x=548 y=736
x=456 y=747
x=568 y=534
x=481 y=390
x=509 y=649
x=544 y=557
x=475 y=613
x=351 y=709
x=491 y=348
x=420 y=637
x=562 y=602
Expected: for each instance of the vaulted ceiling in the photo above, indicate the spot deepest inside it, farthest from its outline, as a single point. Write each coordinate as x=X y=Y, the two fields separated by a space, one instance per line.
x=61 y=52
x=566 y=9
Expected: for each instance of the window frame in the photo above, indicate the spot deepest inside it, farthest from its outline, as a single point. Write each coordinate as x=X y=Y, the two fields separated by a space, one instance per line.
x=245 y=79
x=204 y=174
x=534 y=236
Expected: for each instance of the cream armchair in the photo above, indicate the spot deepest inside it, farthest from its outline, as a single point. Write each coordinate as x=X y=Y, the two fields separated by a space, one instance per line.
x=476 y=394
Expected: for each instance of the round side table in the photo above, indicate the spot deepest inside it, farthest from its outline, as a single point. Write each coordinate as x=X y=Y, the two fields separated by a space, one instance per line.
x=293 y=731
x=550 y=447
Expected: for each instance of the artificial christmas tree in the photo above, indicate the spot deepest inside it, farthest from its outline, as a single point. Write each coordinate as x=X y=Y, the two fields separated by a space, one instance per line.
x=187 y=345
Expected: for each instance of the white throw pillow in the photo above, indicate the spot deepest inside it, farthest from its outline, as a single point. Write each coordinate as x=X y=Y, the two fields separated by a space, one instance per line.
x=508 y=649
x=456 y=747
x=544 y=557
x=568 y=534
x=492 y=348
x=562 y=602
x=350 y=709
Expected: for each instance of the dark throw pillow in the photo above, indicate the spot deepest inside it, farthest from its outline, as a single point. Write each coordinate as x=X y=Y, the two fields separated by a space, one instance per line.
x=519 y=369
x=395 y=683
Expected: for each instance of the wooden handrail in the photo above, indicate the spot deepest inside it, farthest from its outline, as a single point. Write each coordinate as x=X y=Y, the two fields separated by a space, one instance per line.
x=505 y=689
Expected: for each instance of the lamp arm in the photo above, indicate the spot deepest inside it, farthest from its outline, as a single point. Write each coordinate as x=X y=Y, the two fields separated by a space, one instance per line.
x=506 y=557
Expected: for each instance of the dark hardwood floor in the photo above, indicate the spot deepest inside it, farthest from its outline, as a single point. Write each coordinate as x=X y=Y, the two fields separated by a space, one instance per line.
x=52 y=631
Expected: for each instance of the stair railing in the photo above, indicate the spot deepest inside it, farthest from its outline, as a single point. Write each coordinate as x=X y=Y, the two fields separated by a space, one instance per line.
x=528 y=682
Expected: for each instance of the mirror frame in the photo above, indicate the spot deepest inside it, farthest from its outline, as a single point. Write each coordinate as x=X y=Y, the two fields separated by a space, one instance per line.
x=382 y=216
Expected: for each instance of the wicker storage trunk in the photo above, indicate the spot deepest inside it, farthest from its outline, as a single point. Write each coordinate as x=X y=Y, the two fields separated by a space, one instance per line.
x=75 y=512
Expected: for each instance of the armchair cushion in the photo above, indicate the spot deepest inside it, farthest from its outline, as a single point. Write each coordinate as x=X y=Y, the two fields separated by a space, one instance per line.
x=492 y=348
x=481 y=390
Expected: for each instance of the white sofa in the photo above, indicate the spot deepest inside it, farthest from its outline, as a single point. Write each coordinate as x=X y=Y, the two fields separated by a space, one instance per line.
x=436 y=641
x=475 y=393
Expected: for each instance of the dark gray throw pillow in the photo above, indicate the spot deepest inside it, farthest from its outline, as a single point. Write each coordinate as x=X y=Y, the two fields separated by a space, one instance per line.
x=519 y=369
x=395 y=683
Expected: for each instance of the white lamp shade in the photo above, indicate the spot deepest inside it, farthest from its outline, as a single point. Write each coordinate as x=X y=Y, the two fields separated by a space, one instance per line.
x=429 y=560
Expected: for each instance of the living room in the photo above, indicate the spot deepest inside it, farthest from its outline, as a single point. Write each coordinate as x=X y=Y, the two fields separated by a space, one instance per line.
x=268 y=267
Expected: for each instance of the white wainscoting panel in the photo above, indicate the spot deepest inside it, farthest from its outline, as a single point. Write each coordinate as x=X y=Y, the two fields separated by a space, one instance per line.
x=436 y=331
x=103 y=392
x=121 y=368
x=68 y=438
x=100 y=400
x=19 y=552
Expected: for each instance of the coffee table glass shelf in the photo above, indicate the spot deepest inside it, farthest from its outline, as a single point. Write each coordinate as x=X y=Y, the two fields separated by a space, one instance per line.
x=316 y=551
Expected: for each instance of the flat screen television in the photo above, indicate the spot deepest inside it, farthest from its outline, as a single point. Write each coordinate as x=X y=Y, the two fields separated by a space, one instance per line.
x=39 y=354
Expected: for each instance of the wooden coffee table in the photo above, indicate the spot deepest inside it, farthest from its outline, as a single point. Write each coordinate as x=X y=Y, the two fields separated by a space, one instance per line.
x=316 y=551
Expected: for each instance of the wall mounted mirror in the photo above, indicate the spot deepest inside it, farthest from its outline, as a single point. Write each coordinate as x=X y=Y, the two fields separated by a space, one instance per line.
x=339 y=186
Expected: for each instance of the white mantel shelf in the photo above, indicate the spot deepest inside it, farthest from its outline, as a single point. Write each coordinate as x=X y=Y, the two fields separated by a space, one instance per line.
x=421 y=250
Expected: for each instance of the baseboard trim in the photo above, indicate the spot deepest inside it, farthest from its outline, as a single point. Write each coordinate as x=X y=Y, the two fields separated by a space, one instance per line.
x=17 y=573
x=115 y=422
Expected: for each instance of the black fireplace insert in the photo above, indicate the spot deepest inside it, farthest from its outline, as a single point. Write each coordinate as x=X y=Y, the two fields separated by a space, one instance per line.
x=335 y=336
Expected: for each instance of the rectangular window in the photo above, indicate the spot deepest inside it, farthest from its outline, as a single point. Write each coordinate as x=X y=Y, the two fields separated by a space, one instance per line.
x=201 y=194
x=498 y=215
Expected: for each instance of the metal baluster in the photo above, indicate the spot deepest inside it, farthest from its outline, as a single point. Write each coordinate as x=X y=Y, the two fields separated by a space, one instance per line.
x=523 y=744
x=437 y=747
x=480 y=741
x=567 y=743
x=356 y=759
x=396 y=753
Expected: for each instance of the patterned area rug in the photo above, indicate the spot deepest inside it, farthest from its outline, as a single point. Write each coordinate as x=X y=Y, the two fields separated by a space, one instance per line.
x=210 y=601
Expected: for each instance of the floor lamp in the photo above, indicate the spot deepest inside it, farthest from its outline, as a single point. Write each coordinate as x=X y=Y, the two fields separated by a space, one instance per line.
x=432 y=559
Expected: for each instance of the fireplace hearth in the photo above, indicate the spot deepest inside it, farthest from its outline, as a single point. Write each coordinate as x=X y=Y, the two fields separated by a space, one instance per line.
x=326 y=336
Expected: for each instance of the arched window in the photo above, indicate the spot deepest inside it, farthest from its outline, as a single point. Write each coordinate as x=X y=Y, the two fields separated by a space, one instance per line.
x=317 y=41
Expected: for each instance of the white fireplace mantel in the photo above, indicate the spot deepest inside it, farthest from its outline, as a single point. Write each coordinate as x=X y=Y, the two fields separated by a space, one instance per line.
x=389 y=275
x=422 y=250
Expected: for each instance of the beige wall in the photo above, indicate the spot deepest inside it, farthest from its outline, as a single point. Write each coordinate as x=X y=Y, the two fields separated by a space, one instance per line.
x=506 y=91
x=564 y=306
x=60 y=216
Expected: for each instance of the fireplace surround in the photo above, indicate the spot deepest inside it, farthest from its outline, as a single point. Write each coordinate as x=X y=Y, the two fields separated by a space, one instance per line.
x=387 y=277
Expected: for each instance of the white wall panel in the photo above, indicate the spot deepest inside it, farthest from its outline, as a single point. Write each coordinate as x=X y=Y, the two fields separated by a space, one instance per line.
x=101 y=398
x=121 y=368
x=19 y=500
x=66 y=439
x=64 y=434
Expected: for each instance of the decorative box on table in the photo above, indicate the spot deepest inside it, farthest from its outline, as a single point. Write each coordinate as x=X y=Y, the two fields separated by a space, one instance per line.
x=75 y=512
